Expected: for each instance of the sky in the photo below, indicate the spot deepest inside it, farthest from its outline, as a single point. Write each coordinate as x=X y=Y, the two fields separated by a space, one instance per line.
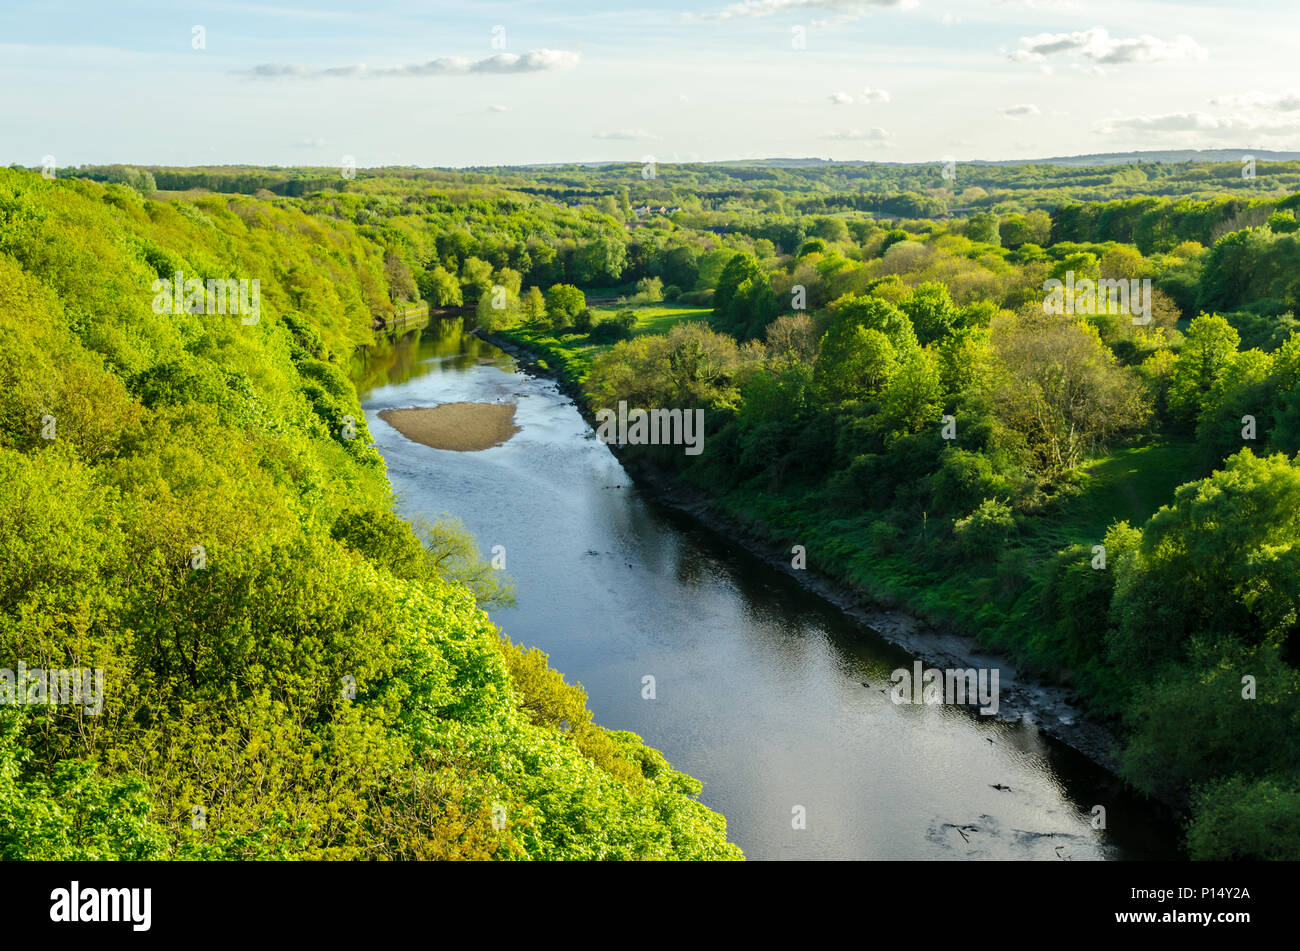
x=415 y=82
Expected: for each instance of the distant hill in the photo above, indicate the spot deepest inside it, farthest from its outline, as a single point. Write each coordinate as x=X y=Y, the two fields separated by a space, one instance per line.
x=1168 y=156
x=1171 y=156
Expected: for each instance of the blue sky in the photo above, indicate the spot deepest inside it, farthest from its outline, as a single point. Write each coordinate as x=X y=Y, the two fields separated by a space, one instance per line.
x=428 y=83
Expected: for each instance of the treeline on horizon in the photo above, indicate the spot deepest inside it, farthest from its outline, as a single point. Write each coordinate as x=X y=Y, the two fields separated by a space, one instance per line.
x=898 y=190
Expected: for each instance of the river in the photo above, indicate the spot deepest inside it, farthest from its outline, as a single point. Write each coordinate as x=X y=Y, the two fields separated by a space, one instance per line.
x=758 y=685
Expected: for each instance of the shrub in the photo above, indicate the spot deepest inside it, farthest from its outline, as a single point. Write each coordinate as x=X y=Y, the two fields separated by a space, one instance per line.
x=613 y=329
x=1241 y=819
x=986 y=528
x=649 y=290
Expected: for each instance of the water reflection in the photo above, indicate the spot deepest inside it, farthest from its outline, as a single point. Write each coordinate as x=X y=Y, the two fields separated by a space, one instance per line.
x=444 y=346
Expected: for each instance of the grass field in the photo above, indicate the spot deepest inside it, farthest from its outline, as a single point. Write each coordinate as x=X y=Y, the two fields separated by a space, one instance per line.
x=660 y=318
x=570 y=354
x=1128 y=483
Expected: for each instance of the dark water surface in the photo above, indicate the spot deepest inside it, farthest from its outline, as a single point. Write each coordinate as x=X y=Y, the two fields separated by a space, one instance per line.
x=758 y=684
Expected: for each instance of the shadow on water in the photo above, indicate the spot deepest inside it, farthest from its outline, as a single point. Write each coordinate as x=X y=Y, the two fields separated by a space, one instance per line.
x=760 y=684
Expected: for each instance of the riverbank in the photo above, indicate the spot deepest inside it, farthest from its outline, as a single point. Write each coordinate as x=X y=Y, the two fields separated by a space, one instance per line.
x=1051 y=707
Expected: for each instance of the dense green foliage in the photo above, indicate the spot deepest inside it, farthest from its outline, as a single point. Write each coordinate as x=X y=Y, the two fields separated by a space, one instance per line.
x=191 y=503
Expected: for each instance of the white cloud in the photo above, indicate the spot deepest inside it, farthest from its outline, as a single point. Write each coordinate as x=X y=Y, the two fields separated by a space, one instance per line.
x=1279 y=102
x=495 y=107
x=533 y=61
x=868 y=95
x=1099 y=47
x=1169 y=122
x=1022 y=109
x=625 y=135
x=1174 y=123
x=858 y=135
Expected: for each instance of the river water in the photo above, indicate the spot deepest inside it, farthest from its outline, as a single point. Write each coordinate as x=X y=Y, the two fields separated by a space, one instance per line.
x=758 y=686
